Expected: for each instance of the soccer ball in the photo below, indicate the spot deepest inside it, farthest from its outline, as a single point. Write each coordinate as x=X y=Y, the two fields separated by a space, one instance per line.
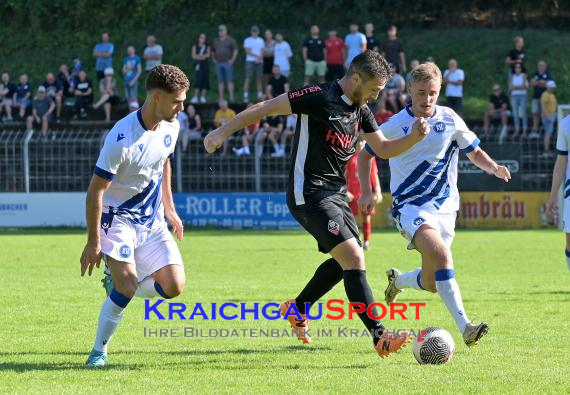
x=433 y=346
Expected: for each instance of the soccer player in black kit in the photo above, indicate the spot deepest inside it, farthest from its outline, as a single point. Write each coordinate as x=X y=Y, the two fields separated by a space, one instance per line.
x=330 y=117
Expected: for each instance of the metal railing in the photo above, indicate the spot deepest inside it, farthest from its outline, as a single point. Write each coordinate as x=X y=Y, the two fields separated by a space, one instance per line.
x=63 y=162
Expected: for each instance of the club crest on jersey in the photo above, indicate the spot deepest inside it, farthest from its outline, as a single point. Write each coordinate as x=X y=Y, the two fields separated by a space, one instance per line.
x=167 y=140
x=125 y=251
x=418 y=221
x=334 y=227
x=439 y=127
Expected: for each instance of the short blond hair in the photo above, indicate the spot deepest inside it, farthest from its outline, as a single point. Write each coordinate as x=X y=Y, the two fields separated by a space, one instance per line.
x=426 y=72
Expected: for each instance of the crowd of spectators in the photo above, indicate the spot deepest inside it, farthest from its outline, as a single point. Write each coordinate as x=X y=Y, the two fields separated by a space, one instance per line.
x=268 y=58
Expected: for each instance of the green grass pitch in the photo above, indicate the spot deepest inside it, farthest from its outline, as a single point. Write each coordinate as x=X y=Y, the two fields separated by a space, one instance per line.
x=515 y=280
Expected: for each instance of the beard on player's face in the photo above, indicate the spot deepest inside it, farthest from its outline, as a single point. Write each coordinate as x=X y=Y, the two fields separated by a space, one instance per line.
x=366 y=90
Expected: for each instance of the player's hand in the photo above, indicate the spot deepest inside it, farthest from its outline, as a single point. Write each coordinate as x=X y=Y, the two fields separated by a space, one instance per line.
x=378 y=197
x=366 y=203
x=503 y=173
x=552 y=204
x=90 y=257
x=349 y=196
x=420 y=129
x=176 y=223
x=214 y=140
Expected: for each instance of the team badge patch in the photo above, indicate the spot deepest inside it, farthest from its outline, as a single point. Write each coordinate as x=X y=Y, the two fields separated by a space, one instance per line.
x=167 y=140
x=334 y=227
x=125 y=251
x=418 y=221
x=439 y=127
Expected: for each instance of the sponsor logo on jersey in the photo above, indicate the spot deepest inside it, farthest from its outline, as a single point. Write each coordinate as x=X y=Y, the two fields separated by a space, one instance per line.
x=334 y=227
x=418 y=221
x=335 y=138
x=125 y=251
x=303 y=91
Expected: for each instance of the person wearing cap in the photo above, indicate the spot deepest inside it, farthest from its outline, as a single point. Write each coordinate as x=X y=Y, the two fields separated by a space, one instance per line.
x=549 y=105
x=108 y=89
x=103 y=53
x=224 y=54
x=42 y=110
x=253 y=46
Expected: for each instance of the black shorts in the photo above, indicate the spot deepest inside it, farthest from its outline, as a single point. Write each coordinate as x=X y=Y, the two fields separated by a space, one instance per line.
x=328 y=219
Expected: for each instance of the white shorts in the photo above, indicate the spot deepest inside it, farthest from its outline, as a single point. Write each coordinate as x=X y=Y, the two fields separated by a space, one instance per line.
x=566 y=216
x=413 y=217
x=148 y=249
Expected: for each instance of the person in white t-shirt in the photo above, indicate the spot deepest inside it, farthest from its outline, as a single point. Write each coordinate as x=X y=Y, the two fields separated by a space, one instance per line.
x=425 y=202
x=282 y=55
x=561 y=178
x=152 y=53
x=453 y=79
x=253 y=46
x=129 y=201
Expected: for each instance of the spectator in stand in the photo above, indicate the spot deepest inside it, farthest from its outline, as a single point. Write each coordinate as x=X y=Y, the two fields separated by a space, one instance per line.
x=224 y=51
x=64 y=78
x=248 y=137
x=190 y=126
x=413 y=64
x=278 y=84
x=335 y=56
x=201 y=55
x=42 y=112
x=538 y=83
x=76 y=67
x=7 y=91
x=393 y=50
x=253 y=46
x=152 y=53
x=103 y=53
x=222 y=116
x=453 y=78
x=549 y=106
x=518 y=87
x=498 y=108
x=371 y=41
x=395 y=91
x=283 y=55
x=22 y=98
x=382 y=114
x=268 y=57
x=355 y=43
x=314 y=54
x=83 y=95
x=271 y=129
x=108 y=89
x=132 y=70
x=516 y=56
x=54 y=91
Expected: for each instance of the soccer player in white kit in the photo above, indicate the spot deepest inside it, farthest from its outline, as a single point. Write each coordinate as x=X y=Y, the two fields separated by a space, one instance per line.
x=128 y=200
x=561 y=174
x=425 y=196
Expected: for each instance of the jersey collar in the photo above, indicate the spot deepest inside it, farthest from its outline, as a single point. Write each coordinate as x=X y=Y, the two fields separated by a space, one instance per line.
x=140 y=118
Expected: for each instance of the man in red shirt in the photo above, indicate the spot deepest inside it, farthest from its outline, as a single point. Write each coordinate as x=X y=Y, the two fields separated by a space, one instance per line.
x=335 y=56
x=353 y=191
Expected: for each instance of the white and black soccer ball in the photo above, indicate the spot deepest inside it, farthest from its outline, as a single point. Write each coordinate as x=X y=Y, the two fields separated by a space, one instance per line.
x=433 y=346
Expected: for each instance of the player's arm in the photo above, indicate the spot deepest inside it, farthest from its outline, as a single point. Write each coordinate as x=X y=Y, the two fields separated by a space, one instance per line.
x=168 y=201
x=366 y=200
x=385 y=148
x=557 y=180
x=279 y=105
x=91 y=255
x=483 y=161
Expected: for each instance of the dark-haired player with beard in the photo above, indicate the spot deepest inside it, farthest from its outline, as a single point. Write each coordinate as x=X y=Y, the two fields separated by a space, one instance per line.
x=330 y=118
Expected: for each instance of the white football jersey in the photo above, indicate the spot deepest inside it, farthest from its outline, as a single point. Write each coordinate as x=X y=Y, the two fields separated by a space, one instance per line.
x=426 y=174
x=562 y=147
x=132 y=158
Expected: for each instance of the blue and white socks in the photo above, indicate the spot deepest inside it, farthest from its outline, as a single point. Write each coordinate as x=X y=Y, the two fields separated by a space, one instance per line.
x=448 y=290
x=568 y=259
x=411 y=279
x=110 y=316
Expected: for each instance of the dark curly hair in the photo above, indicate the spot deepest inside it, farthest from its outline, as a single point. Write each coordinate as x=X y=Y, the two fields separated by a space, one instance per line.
x=168 y=78
x=370 y=64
